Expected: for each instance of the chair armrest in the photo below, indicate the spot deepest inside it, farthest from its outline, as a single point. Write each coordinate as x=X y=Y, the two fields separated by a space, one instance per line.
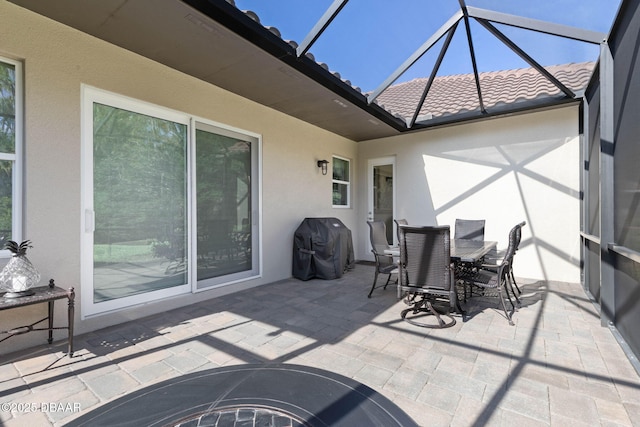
x=388 y=258
x=491 y=262
x=490 y=266
x=376 y=254
x=495 y=255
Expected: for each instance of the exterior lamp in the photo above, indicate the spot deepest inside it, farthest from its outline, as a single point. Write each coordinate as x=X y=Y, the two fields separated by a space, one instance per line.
x=323 y=165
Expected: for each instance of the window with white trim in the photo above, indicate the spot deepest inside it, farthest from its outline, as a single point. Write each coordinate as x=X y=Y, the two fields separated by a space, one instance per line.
x=11 y=122
x=341 y=182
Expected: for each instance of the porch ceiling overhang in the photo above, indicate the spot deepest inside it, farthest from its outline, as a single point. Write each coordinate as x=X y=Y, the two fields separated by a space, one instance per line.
x=216 y=42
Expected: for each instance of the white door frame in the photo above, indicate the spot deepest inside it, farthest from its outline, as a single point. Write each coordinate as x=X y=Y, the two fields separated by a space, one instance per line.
x=379 y=161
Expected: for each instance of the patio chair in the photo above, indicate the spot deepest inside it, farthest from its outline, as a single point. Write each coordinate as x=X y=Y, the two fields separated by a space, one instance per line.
x=469 y=229
x=516 y=235
x=384 y=262
x=426 y=276
x=399 y=222
x=518 y=240
x=496 y=276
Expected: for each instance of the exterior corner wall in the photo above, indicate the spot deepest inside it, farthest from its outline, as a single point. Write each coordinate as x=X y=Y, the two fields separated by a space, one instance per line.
x=505 y=170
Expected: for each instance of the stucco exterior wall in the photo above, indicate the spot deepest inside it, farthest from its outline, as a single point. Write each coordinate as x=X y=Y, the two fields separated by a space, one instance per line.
x=57 y=61
x=506 y=170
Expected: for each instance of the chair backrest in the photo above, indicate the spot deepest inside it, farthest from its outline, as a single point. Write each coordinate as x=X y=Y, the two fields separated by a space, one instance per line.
x=517 y=238
x=399 y=222
x=378 y=236
x=519 y=233
x=514 y=241
x=469 y=229
x=425 y=257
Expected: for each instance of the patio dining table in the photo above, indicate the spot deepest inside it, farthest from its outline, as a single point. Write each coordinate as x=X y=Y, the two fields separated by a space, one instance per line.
x=471 y=251
x=462 y=250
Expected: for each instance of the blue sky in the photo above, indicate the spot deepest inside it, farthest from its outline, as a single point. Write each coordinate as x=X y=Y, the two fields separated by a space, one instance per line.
x=370 y=39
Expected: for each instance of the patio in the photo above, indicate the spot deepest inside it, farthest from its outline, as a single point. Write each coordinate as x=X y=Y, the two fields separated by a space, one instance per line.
x=557 y=366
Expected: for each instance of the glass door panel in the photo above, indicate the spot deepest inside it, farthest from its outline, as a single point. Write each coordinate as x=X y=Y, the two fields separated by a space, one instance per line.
x=10 y=125
x=382 y=193
x=224 y=204
x=140 y=203
x=7 y=173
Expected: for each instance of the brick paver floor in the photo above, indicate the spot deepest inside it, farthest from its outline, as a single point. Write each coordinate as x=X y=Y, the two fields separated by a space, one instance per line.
x=556 y=367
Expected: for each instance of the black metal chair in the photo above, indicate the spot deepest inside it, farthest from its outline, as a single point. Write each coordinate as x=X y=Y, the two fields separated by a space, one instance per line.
x=469 y=229
x=426 y=275
x=496 y=276
x=384 y=262
x=515 y=237
x=518 y=240
x=399 y=222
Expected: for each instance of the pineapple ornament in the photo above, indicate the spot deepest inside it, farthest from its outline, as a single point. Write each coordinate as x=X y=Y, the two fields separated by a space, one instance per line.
x=19 y=275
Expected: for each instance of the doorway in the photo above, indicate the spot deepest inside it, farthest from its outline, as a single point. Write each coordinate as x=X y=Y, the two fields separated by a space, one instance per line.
x=381 y=190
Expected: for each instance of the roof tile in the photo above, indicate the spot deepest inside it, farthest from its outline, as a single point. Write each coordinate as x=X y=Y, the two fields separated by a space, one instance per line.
x=457 y=93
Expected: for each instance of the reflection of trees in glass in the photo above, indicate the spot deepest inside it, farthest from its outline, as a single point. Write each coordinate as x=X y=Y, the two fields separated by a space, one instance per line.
x=139 y=179
x=339 y=194
x=340 y=169
x=7 y=145
x=6 y=204
x=223 y=179
x=341 y=179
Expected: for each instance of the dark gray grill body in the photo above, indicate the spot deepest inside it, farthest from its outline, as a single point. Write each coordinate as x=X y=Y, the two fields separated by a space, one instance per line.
x=322 y=248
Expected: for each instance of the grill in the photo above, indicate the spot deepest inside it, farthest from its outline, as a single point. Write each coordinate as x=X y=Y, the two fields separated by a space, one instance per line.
x=322 y=248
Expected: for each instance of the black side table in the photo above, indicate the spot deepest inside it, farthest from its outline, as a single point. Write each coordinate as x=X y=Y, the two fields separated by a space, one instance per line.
x=48 y=294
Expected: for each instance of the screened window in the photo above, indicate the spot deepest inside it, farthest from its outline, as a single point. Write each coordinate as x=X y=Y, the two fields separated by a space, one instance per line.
x=341 y=182
x=170 y=203
x=10 y=150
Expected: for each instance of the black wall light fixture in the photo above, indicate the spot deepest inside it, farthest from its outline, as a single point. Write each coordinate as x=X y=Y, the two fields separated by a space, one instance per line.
x=323 y=164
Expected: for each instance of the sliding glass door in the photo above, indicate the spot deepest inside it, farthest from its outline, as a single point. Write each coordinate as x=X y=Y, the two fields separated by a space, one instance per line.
x=170 y=203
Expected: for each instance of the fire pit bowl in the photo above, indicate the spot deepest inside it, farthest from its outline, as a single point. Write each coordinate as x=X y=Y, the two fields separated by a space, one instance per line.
x=279 y=394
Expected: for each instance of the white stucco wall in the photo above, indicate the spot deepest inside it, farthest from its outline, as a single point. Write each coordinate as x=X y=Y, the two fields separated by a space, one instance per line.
x=57 y=61
x=507 y=170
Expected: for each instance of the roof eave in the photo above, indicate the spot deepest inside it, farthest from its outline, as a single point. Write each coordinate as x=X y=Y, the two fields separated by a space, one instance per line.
x=235 y=20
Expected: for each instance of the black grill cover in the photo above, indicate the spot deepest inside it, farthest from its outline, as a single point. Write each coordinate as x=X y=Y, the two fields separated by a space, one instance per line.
x=322 y=248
